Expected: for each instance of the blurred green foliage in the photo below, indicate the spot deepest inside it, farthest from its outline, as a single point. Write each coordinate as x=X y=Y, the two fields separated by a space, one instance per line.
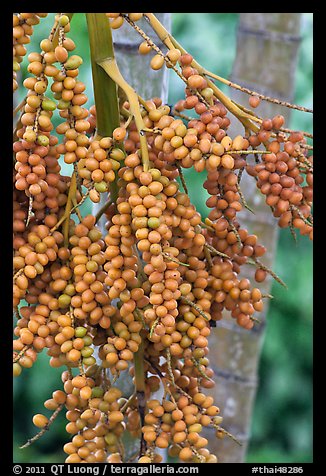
x=282 y=420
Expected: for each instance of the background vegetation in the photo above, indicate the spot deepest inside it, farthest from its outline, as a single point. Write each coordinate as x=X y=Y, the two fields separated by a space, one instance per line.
x=282 y=423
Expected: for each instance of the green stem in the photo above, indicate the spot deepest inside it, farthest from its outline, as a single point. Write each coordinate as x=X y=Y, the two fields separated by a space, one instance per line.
x=105 y=89
x=71 y=194
x=139 y=368
x=103 y=209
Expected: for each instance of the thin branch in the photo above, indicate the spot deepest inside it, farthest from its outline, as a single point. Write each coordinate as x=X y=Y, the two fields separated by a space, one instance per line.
x=303 y=218
x=168 y=39
x=165 y=57
x=178 y=166
x=130 y=400
x=20 y=106
x=215 y=252
x=153 y=326
x=171 y=258
x=102 y=210
x=259 y=95
x=168 y=361
x=71 y=193
x=260 y=265
x=193 y=305
x=200 y=370
x=43 y=430
x=21 y=353
x=18 y=273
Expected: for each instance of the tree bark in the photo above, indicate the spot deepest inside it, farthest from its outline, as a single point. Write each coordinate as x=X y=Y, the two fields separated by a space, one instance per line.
x=266 y=59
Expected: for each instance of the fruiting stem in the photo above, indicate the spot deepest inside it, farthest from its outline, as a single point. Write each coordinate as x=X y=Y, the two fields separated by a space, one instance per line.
x=130 y=400
x=43 y=430
x=254 y=93
x=178 y=166
x=18 y=273
x=165 y=57
x=243 y=200
x=171 y=258
x=71 y=193
x=140 y=390
x=163 y=34
x=193 y=305
x=20 y=106
x=102 y=210
x=200 y=370
x=168 y=361
x=227 y=433
x=260 y=265
x=157 y=320
x=21 y=353
x=215 y=252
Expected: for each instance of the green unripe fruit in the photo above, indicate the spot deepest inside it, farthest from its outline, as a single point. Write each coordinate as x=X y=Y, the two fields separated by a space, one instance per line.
x=64 y=20
x=42 y=140
x=73 y=62
x=70 y=290
x=204 y=361
x=185 y=342
x=117 y=154
x=104 y=406
x=155 y=173
x=63 y=104
x=164 y=180
x=101 y=187
x=198 y=353
x=16 y=66
x=110 y=439
x=57 y=96
x=88 y=340
x=115 y=164
x=87 y=352
x=94 y=235
x=208 y=93
x=97 y=392
x=64 y=301
x=92 y=266
x=89 y=360
x=196 y=427
x=48 y=105
x=153 y=222
x=80 y=331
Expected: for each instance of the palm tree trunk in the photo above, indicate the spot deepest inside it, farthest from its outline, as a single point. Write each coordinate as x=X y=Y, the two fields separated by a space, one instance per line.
x=266 y=59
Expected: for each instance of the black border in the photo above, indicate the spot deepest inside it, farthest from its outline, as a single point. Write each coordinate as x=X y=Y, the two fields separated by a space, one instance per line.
x=6 y=241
